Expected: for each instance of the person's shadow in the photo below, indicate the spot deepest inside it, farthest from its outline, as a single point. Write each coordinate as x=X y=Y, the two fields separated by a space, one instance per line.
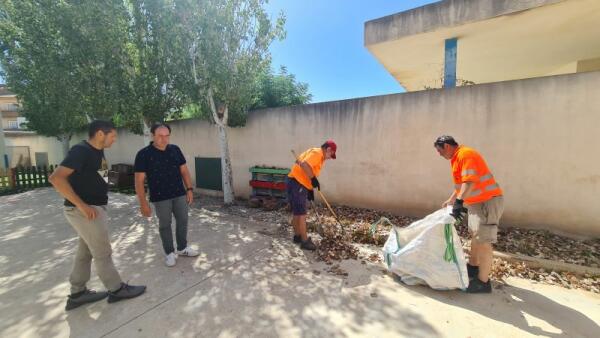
x=509 y=303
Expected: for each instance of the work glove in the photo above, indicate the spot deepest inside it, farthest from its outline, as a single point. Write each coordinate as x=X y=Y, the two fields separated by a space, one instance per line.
x=311 y=195
x=458 y=210
x=315 y=183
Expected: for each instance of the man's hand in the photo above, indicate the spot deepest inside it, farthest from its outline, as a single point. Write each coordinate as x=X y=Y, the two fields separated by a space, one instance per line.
x=450 y=201
x=315 y=183
x=311 y=195
x=89 y=212
x=145 y=209
x=458 y=210
x=189 y=196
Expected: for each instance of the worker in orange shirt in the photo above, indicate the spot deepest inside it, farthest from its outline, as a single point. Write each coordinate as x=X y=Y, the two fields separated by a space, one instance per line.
x=301 y=182
x=475 y=187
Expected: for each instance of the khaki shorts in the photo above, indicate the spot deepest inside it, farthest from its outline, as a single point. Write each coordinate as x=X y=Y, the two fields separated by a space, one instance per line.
x=484 y=219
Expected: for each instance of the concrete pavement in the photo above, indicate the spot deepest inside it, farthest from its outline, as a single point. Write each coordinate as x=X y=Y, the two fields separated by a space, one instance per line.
x=249 y=280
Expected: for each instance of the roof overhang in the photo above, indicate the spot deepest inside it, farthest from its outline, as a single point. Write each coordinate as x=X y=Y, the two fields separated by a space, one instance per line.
x=498 y=40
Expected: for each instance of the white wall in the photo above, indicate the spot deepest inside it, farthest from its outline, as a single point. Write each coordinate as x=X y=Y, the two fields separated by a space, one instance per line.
x=37 y=143
x=539 y=137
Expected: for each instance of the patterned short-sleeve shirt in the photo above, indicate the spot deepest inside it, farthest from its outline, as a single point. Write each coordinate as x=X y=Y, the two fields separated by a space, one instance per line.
x=163 y=173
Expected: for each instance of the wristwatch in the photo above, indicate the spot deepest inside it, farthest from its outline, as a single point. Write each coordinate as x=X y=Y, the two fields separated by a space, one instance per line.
x=189 y=189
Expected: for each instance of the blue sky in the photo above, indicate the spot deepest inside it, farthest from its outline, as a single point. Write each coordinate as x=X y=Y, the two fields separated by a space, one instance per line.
x=324 y=46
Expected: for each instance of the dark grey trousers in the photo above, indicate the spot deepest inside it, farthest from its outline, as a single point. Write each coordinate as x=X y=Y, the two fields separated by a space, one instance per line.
x=165 y=210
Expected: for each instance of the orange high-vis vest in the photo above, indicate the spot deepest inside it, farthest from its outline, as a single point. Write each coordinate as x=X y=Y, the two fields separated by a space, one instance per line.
x=469 y=166
x=315 y=158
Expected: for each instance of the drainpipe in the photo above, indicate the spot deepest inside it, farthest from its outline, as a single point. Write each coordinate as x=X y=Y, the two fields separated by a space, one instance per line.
x=3 y=154
x=450 y=47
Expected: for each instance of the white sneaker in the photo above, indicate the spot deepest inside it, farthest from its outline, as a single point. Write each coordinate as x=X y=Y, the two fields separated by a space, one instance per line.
x=188 y=251
x=171 y=259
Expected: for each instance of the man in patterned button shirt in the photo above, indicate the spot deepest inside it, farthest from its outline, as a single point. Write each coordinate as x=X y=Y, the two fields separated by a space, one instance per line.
x=170 y=186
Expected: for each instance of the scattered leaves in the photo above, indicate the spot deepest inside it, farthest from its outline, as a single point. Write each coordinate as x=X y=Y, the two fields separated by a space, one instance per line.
x=536 y=243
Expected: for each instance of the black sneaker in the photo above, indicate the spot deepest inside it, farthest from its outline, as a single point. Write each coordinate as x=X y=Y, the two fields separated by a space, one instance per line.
x=477 y=286
x=297 y=239
x=308 y=245
x=86 y=296
x=126 y=291
x=472 y=270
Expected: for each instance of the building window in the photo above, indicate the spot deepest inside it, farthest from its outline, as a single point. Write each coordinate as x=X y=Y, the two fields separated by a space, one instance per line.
x=13 y=125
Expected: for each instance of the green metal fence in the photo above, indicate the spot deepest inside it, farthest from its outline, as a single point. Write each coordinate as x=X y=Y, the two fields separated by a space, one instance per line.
x=20 y=179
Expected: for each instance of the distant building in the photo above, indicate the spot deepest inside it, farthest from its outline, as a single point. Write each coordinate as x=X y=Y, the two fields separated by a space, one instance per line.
x=19 y=146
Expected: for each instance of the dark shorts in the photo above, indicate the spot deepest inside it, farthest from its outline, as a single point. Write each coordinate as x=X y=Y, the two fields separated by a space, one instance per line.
x=297 y=196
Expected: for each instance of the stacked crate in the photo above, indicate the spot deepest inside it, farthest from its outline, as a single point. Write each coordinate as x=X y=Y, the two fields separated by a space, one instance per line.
x=121 y=176
x=269 y=182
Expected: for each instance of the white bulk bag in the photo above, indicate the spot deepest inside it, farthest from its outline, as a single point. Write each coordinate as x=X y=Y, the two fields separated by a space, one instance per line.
x=428 y=252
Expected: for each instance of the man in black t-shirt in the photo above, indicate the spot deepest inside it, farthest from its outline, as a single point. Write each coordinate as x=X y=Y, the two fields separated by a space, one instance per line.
x=80 y=180
x=170 y=186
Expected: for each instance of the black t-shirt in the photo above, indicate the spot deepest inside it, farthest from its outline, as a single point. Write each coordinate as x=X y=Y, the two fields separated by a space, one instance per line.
x=162 y=168
x=87 y=179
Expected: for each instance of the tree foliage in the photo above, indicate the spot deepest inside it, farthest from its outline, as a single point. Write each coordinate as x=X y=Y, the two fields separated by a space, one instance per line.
x=161 y=78
x=280 y=90
x=67 y=61
x=272 y=90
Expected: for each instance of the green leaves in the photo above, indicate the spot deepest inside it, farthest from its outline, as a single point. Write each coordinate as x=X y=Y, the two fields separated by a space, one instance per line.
x=281 y=89
x=228 y=46
x=161 y=80
x=66 y=61
x=70 y=61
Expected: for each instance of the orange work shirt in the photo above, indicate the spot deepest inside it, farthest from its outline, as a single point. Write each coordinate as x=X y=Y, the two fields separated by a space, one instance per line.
x=315 y=159
x=468 y=166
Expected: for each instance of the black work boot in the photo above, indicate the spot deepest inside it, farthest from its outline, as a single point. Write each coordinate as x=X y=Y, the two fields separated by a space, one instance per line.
x=126 y=291
x=472 y=270
x=308 y=245
x=86 y=296
x=477 y=286
x=297 y=239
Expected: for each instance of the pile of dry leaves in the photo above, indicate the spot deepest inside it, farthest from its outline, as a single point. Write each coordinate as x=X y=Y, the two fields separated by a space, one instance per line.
x=534 y=243
x=357 y=223
x=543 y=244
x=502 y=269
x=335 y=245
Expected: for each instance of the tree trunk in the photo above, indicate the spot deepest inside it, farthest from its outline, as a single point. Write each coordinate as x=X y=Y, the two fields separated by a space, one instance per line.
x=221 y=121
x=65 y=139
x=227 y=175
x=147 y=136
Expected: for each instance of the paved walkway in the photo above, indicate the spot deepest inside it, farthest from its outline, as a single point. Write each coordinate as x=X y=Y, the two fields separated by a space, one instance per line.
x=249 y=281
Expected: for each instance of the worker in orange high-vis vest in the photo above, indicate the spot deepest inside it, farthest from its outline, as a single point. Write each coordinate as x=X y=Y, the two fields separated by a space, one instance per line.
x=301 y=182
x=475 y=187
